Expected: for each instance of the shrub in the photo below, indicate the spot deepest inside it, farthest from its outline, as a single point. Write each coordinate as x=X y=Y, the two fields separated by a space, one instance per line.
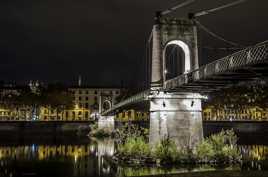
x=230 y=137
x=220 y=147
x=224 y=145
x=217 y=141
x=100 y=133
x=136 y=147
x=205 y=151
x=230 y=153
x=167 y=152
x=131 y=130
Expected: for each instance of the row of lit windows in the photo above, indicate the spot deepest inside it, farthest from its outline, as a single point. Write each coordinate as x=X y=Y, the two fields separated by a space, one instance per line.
x=210 y=116
x=236 y=112
x=2 y=113
x=128 y=114
x=86 y=98
x=67 y=113
x=95 y=92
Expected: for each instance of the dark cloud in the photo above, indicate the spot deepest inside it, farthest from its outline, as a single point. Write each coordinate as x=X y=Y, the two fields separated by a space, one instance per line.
x=56 y=40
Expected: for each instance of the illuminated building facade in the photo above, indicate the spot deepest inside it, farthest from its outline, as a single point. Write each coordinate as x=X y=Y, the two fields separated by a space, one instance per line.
x=87 y=103
x=254 y=113
x=132 y=115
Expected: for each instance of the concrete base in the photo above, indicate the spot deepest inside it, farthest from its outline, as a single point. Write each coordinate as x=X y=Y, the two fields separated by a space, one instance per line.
x=106 y=123
x=177 y=116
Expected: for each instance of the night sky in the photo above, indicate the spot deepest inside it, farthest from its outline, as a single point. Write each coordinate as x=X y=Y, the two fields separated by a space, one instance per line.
x=104 y=40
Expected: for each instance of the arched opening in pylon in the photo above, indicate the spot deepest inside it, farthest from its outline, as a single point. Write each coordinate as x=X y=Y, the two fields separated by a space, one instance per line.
x=176 y=59
x=106 y=105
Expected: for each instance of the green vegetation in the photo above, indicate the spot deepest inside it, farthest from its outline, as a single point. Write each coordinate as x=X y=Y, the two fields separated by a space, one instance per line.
x=131 y=131
x=99 y=133
x=135 y=147
x=218 y=148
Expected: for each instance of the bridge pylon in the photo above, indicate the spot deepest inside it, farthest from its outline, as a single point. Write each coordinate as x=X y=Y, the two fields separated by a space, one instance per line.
x=175 y=115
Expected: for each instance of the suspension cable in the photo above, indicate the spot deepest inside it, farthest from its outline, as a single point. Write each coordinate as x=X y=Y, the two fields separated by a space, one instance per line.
x=215 y=35
x=221 y=48
x=165 y=12
x=205 y=12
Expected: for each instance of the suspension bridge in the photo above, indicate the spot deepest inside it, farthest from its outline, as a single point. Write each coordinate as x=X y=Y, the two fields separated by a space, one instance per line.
x=178 y=84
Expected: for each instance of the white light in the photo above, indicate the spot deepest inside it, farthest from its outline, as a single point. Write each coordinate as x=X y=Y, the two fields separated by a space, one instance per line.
x=166 y=71
x=75 y=158
x=186 y=50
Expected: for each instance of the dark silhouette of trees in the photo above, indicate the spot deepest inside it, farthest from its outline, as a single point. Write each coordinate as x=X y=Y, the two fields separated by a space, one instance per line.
x=54 y=96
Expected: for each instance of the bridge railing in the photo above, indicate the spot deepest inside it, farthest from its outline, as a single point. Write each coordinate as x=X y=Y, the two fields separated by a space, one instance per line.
x=133 y=99
x=248 y=56
x=239 y=60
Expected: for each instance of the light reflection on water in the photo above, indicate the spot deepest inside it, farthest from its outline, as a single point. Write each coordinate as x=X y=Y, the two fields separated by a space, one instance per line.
x=94 y=159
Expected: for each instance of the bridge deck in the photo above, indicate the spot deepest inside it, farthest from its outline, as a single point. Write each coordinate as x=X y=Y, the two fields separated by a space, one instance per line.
x=246 y=65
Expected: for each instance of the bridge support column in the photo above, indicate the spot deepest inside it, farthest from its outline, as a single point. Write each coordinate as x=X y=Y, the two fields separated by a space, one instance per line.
x=177 y=116
x=106 y=123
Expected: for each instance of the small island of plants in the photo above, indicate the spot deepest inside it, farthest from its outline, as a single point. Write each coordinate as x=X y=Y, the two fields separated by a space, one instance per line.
x=219 y=148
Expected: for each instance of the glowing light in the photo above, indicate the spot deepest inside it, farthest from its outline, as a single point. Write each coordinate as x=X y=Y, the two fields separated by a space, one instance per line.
x=75 y=158
x=186 y=50
x=166 y=71
x=33 y=147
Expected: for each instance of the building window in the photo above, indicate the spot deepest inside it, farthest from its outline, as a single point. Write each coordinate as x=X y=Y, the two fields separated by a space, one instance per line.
x=66 y=114
x=95 y=98
x=73 y=115
x=96 y=92
x=86 y=105
x=117 y=92
x=80 y=98
x=86 y=98
x=80 y=92
x=79 y=113
x=86 y=91
x=129 y=113
x=80 y=105
x=86 y=114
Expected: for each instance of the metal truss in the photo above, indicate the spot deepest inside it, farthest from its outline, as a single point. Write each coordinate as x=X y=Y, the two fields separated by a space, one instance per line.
x=247 y=64
x=242 y=65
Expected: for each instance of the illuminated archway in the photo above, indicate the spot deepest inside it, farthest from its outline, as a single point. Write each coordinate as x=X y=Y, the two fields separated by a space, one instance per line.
x=186 y=55
x=107 y=104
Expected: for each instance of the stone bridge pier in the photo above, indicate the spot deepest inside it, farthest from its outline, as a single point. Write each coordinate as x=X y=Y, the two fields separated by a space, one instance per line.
x=106 y=123
x=176 y=116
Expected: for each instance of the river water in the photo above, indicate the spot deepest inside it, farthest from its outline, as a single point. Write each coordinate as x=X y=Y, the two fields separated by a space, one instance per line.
x=67 y=156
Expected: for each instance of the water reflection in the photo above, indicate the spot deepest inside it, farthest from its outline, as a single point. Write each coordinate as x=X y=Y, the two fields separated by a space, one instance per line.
x=254 y=152
x=71 y=160
x=94 y=159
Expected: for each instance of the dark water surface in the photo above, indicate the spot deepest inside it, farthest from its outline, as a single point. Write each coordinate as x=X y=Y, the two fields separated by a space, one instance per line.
x=73 y=156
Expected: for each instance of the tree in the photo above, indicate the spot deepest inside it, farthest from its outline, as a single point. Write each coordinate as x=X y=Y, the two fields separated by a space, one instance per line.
x=58 y=97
